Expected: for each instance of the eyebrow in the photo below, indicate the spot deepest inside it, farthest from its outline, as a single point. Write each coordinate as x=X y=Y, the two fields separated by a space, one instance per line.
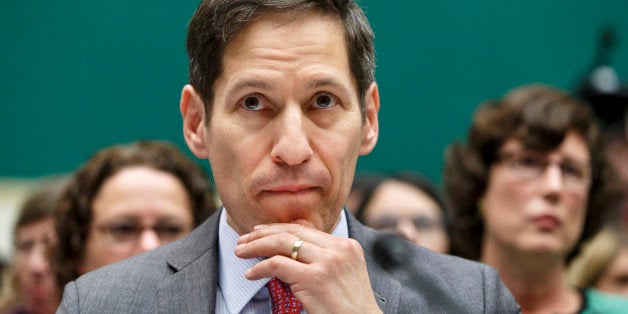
x=322 y=82
x=263 y=85
x=250 y=83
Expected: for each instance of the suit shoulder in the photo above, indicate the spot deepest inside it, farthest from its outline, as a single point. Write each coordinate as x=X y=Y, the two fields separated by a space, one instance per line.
x=447 y=266
x=143 y=269
x=460 y=283
x=134 y=282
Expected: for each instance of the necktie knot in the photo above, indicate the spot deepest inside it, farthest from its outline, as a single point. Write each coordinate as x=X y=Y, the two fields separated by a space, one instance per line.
x=281 y=297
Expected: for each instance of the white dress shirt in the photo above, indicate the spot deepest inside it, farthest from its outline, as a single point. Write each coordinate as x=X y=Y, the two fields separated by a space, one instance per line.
x=235 y=293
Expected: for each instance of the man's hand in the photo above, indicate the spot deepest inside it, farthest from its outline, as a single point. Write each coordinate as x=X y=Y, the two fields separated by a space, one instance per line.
x=328 y=276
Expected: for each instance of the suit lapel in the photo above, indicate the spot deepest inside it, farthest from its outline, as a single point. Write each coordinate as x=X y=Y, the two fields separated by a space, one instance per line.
x=192 y=286
x=387 y=290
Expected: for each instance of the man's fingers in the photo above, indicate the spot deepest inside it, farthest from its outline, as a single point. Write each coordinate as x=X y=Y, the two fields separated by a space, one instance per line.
x=278 y=266
x=278 y=244
x=302 y=232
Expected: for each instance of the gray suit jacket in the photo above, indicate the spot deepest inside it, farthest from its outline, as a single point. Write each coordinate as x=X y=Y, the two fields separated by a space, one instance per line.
x=181 y=277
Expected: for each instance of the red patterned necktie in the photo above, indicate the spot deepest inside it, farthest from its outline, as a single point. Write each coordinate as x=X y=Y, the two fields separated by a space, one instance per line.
x=283 y=301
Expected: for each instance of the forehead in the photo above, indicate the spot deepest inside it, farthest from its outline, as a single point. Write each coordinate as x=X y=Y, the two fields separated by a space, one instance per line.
x=35 y=228
x=140 y=190
x=303 y=25
x=288 y=42
x=402 y=197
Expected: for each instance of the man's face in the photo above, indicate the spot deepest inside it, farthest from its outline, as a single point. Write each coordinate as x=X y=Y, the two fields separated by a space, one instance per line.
x=285 y=129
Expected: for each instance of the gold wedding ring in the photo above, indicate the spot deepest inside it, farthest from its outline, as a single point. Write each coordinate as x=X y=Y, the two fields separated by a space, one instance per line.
x=295 y=249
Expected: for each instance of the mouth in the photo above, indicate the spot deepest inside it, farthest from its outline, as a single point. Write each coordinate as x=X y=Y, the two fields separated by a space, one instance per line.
x=290 y=189
x=546 y=222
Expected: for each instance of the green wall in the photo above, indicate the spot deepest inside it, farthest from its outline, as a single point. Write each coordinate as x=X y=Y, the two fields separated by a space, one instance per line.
x=76 y=76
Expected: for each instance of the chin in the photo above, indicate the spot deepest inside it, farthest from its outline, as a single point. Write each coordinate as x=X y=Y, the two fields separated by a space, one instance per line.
x=290 y=209
x=546 y=248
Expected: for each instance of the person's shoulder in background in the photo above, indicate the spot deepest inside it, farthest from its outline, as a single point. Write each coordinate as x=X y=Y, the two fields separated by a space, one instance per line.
x=600 y=302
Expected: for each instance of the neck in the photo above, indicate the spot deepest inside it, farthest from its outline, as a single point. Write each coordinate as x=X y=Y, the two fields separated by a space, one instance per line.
x=47 y=307
x=537 y=281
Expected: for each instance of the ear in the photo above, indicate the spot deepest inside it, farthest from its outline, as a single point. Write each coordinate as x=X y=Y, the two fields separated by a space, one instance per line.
x=370 y=130
x=193 y=113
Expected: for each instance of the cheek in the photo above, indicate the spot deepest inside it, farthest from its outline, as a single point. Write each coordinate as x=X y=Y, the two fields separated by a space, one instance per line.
x=339 y=154
x=231 y=154
x=501 y=201
x=576 y=211
x=98 y=254
x=91 y=253
x=21 y=269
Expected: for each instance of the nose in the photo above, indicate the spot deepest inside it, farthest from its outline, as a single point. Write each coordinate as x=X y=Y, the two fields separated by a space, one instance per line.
x=37 y=262
x=149 y=239
x=406 y=228
x=292 y=145
x=552 y=181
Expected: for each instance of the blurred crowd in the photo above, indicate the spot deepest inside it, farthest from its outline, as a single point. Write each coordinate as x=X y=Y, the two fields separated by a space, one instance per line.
x=538 y=190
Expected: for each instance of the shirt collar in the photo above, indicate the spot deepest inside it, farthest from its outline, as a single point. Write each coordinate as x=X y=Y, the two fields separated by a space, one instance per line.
x=236 y=289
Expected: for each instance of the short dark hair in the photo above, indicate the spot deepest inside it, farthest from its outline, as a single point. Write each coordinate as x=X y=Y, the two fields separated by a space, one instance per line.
x=540 y=117
x=216 y=22
x=73 y=214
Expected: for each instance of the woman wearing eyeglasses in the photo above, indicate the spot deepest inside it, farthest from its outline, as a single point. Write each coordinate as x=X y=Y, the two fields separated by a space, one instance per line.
x=404 y=203
x=529 y=186
x=126 y=200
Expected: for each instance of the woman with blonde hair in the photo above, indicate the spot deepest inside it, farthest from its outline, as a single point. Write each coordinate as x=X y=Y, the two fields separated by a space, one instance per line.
x=603 y=262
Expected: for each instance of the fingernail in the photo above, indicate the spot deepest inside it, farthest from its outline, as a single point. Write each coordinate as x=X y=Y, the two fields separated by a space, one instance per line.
x=259 y=227
x=238 y=248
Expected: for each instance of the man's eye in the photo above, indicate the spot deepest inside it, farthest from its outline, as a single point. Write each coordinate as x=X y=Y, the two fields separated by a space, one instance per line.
x=252 y=102
x=325 y=101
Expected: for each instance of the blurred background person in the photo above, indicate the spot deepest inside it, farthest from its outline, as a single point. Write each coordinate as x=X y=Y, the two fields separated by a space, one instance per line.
x=3 y=266
x=125 y=200
x=529 y=186
x=404 y=203
x=617 y=152
x=603 y=262
x=30 y=285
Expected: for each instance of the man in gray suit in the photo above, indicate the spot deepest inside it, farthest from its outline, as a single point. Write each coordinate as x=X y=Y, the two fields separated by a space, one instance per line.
x=282 y=100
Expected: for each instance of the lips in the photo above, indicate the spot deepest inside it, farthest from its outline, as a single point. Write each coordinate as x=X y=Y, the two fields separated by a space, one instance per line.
x=290 y=189
x=546 y=222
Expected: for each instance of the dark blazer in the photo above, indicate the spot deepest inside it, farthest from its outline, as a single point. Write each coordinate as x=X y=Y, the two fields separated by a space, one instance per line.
x=181 y=277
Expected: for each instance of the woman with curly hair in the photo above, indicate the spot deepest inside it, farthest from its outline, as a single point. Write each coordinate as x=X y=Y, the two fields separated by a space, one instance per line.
x=125 y=200
x=527 y=188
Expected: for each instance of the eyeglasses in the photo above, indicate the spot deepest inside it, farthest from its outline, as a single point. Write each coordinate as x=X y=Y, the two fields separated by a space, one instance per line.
x=28 y=246
x=130 y=232
x=421 y=223
x=531 y=165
